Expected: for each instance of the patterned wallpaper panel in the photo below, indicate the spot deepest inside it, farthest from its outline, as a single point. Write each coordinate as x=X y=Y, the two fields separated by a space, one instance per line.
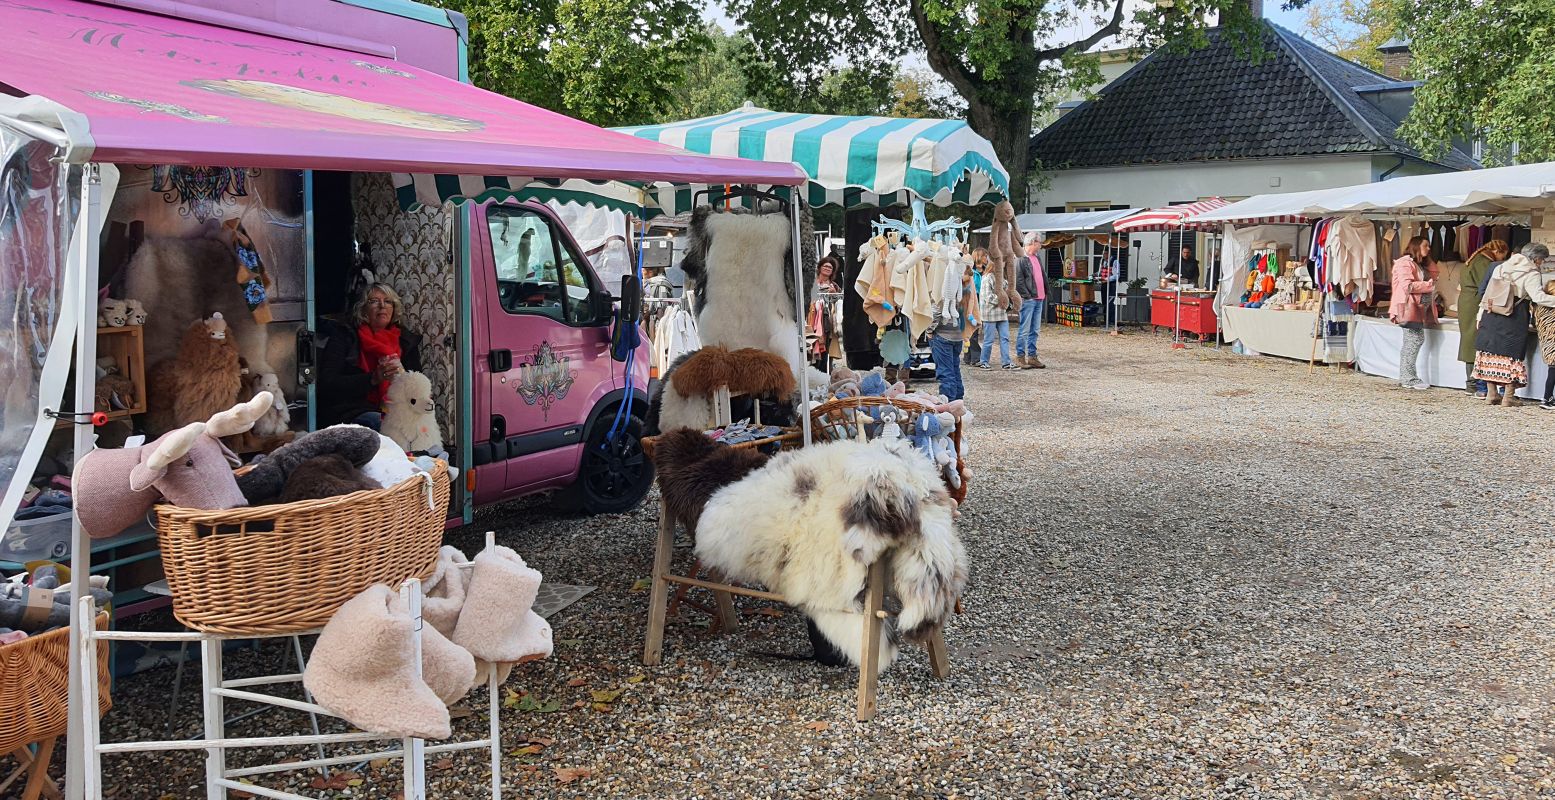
x=409 y=250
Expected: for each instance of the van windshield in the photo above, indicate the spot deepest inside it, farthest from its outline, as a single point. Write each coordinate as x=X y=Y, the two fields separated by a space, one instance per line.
x=537 y=272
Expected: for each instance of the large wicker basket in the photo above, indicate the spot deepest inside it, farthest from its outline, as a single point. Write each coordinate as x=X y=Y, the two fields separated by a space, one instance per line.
x=286 y=568
x=838 y=419
x=35 y=686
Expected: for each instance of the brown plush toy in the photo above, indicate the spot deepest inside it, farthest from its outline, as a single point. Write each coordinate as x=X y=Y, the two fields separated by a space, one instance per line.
x=200 y=381
x=1004 y=243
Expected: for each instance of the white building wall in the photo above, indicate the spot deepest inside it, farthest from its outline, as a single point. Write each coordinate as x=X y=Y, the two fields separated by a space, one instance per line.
x=1154 y=186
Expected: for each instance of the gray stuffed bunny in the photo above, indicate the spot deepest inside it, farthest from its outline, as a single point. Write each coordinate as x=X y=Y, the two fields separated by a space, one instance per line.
x=267 y=480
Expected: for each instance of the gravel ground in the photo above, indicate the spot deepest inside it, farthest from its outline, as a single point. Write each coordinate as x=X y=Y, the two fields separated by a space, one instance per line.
x=1193 y=575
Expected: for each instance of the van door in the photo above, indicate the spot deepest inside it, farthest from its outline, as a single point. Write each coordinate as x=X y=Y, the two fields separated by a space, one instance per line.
x=549 y=345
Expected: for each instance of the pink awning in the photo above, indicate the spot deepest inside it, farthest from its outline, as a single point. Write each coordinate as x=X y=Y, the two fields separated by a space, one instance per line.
x=1169 y=218
x=158 y=90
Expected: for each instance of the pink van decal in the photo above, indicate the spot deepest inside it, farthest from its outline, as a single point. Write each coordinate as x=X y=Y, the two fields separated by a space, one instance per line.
x=545 y=379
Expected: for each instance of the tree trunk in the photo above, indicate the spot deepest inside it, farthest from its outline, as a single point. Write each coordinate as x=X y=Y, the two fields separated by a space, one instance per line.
x=1009 y=131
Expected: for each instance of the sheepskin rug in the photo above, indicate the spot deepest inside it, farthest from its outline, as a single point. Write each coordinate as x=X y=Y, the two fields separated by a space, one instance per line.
x=809 y=524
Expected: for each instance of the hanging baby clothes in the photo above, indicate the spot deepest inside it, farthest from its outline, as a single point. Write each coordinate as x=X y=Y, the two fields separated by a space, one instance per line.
x=910 y=289
x=874 y=281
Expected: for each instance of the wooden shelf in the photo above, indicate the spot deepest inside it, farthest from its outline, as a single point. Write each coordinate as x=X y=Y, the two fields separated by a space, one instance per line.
x=127 y=347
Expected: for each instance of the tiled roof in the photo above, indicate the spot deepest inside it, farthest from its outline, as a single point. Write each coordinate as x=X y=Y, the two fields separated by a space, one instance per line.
x=1214 y=104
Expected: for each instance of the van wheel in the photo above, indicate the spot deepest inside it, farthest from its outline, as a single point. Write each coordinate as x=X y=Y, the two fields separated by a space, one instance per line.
x=613 y=476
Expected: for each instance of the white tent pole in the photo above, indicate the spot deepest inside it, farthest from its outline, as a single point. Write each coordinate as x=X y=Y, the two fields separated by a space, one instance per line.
x=800 y=292
x=86 y=393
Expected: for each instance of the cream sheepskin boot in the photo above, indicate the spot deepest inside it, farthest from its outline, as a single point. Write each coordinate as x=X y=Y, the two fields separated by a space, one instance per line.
x=497 y=623
x=363 y=669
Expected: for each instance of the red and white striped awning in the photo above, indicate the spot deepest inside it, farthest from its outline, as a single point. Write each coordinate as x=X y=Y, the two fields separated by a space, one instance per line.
x=1169 y=218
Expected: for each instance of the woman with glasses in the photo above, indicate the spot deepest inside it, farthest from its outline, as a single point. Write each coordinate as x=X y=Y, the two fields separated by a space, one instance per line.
x=362 y=356
x=1501 y=345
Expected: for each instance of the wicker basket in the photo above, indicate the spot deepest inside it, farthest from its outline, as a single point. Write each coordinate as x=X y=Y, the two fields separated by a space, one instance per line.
x=35 y=686
x=286 y=568
x=838 y=419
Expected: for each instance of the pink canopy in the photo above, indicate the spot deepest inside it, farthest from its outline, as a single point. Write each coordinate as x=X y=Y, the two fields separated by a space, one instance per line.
x=158 y=90
x=1168 y=218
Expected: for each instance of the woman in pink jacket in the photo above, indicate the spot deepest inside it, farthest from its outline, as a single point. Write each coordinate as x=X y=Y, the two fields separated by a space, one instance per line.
x=1413 y=307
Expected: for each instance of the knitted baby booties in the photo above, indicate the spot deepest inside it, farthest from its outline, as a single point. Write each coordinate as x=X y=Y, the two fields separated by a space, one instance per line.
x=363 y=669
x=497 y=623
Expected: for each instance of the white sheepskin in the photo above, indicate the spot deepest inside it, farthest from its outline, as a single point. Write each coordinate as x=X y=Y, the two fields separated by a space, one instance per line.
x=810 y=523
x=748 y=305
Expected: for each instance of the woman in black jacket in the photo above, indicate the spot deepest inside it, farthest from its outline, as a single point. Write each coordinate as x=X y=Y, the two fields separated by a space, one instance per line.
x=361 y=356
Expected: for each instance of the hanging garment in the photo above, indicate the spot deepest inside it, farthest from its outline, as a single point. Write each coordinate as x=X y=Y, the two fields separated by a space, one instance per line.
x=1352 y=256
x=683 y=337
x=874 y=282
x=910 y=289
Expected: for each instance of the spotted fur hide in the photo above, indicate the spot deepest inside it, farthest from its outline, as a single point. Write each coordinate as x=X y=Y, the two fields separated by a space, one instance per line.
x=810 y=523
x=690 y=467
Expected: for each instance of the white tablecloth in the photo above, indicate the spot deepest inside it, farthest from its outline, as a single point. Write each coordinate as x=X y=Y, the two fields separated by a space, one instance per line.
x=1377 y=342
x=1272 y=333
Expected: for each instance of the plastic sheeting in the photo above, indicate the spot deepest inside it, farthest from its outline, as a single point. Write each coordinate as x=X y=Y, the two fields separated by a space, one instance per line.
x=601 y=232
x=36 y=210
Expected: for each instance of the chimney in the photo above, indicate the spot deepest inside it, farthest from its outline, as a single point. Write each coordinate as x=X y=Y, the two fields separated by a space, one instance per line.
x=1395 y=58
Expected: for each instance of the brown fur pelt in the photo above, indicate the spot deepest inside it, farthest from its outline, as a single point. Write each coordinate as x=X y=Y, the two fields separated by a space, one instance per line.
x=198 y=383
x=691 y=467
x=757 y=372
x=702 y=372
x=1004 y=247
x=329 y=475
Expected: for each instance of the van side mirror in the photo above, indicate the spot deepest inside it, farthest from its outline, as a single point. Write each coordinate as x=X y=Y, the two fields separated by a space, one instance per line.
x=625 y=335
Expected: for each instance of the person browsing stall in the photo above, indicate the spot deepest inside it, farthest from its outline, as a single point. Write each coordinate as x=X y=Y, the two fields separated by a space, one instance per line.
x=1031 y=284
x=362 y=356
x=945 y=343
x=1501 y=344
x=1412 y=307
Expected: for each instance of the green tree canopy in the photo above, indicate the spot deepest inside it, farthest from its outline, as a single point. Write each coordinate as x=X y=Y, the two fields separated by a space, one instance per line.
x=1003 y=58
x=611 y=62
x=1487 y=73
x=1354 y=29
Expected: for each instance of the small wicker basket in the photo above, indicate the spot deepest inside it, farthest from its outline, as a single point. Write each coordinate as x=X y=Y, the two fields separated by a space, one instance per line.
x=839 y=419
x=286 y=568
x=35 y=686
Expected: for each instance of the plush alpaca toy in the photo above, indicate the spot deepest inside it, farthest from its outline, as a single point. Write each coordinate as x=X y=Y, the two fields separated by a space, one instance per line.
x=809 y=524
x=409 y=417
x=1004 y=241
x=134 y=312
x=844 y=382
x=112 y=313
x=202 y=380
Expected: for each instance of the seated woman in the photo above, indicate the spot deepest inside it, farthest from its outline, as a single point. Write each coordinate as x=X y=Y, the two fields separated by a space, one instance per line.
x=362 y=355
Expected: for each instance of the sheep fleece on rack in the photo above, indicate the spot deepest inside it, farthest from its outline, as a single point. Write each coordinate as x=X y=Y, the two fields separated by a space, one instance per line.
x=810 y=523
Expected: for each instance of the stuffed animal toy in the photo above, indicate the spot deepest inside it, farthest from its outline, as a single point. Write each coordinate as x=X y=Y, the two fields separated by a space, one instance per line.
x=1004 y=240
x=809 y=524
x=389 y=467
x=200 y=381
x=112 y=313
x=44 y=602
x=189 y=467
x=267 y=480
x=950 y=285
x=408 y=415
x=328 y=475
x=278 y=418
x=888 y=422
x=872 y=385
x=115 y=392
x=944 y=448
x=135 y=313
x=844 y=382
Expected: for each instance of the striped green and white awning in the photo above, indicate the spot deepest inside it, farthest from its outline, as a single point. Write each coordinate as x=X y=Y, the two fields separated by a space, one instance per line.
x=851 y=161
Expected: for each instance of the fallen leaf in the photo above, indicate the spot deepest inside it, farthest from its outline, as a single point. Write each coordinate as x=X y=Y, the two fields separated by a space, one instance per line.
x=603 y=708
x=379 y=763
x=819 y=726
x=529 y=703
x=642 y=585
x=443 y=764
x=543 y=741
x=528 y=750
x=768 y=611
x=605 y=695
x=511 y=699
x=637 y=679
x=1509 y=760
x=576 y=682
x=354 y=782
x=570 y=774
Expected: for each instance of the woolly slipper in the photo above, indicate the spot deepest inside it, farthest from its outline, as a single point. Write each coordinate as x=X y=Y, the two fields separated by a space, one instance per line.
x=444 y=591
x=496 y=623
x=447 y=668
x=363 y=669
